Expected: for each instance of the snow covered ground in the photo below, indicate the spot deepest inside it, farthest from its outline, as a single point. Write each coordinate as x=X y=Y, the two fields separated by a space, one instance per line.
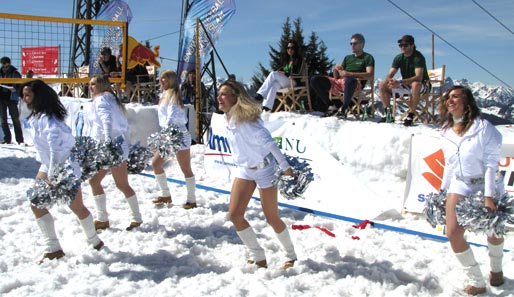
x=196 y=252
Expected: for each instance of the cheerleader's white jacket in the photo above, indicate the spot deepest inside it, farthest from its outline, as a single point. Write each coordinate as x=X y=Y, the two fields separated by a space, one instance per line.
x=171 y=114
x=53 y=141
x=475 y=155
x=108 y=120
x=251 y=142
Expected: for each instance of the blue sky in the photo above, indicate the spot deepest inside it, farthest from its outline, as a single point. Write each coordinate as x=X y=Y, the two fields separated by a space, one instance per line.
x=256 y=25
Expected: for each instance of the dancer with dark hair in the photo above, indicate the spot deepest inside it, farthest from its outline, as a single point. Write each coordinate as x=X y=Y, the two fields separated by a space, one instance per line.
x=53 y=141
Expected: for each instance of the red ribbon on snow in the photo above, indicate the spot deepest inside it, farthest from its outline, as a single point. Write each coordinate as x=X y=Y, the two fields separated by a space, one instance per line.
x=304 y=227
x=363 y=224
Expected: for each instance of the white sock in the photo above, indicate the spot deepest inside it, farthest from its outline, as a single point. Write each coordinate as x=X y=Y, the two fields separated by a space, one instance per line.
x=250 y=240
x=101 y=207
x=90 y=231
x=134 y=207
x=495 y=256
x=190 y=186
x=285 y=240
x=46 y=224
x=163 y=184
x=471 y=267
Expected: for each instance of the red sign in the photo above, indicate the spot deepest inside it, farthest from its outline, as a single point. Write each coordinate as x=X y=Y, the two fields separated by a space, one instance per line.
x=43 y=60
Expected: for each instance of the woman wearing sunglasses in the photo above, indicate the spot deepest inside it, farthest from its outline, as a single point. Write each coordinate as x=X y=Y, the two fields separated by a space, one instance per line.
x=279 y=79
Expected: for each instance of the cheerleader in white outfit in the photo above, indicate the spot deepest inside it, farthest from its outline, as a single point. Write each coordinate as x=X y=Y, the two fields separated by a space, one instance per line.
x=256 y=153
x=471 y=147
x=171 y=112
x=53 y=141
x=109 y=122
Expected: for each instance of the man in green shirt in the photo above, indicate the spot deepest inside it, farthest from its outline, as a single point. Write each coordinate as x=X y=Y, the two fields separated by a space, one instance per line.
x=358 y=65
x=414 y=82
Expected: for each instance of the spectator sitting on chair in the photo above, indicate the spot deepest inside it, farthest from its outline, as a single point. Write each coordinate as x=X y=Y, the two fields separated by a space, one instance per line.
x=415 y=80
x=358 y=65
x=279 y=79
x=188 y=89
x=9 y=101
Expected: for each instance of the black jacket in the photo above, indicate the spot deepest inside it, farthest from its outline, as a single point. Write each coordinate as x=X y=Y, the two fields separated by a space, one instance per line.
x=6 y=94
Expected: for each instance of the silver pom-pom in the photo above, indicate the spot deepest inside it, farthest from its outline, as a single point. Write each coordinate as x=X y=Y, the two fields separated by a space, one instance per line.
x=138 y=159
x=435 y=208
x=167 y=142
x=84 y=153
x=293 y=187
x=110 y=153
x=473 y=216
x=61 y=188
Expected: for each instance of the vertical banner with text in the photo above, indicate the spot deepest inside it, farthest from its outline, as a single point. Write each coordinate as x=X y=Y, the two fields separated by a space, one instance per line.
x=214 y=15
x=116 y=11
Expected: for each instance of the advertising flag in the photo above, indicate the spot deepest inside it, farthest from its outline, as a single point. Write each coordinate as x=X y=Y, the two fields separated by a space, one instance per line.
x=214 y=15
x=103 y=36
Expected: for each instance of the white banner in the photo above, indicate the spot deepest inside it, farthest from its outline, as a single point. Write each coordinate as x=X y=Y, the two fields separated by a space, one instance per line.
x=143 y=120
x=426 y=167
x=334 y=190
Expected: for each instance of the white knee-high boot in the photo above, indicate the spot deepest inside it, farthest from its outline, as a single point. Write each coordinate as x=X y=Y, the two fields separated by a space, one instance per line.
x=285 y=240
x=471 y=267
x=134 y=207
x=46 y=224
x=163 y=184
x=250 y=241
x=495 y=256
x=101 y=208
x=190 y=186
x=89 y=229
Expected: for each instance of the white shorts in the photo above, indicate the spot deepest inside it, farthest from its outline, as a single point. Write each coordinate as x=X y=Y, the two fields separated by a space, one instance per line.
x=461 y=188
x=263 y=177
x=186 y=143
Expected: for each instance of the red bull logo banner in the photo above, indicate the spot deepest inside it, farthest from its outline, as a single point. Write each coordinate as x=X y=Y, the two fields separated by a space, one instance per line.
x=140 y=54
x=214 y=15
x=112 y=37
x=426 y=169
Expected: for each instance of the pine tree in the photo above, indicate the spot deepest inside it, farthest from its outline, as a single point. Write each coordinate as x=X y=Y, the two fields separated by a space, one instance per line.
x=325 y=65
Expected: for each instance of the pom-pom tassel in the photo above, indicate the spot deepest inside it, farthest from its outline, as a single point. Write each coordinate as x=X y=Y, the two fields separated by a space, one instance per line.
x=435 y=208
x=84 y=153
x=61 y=188
x=473 y=216
x=110 y=153
x=138 y=159
x=293 y=187
x=167 y=142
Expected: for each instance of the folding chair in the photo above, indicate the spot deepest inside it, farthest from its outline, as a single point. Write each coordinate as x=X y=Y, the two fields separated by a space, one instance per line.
x=145 y=87
x=426 y=110
x=290 y=98
x=362 y=98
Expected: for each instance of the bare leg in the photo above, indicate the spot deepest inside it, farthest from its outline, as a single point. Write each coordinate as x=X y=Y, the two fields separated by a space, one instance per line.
x=385 y=94
x=415 y=95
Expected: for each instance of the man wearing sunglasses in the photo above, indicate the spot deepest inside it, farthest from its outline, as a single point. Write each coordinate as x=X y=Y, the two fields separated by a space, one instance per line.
x=9 y=101
x=358 y=65
x=414 y=82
